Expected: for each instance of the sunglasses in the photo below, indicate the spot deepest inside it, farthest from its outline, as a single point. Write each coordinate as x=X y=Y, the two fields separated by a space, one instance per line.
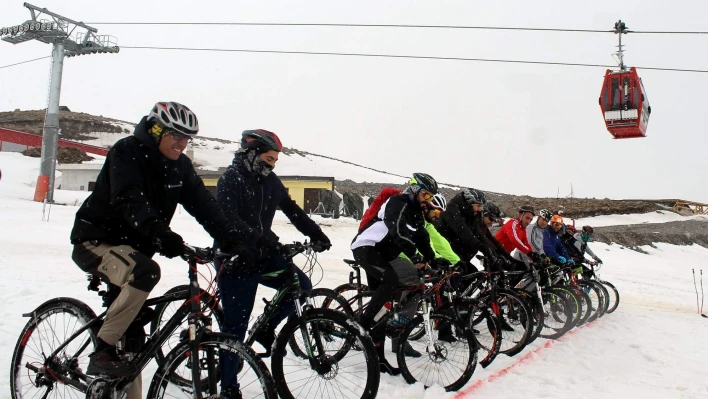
x=179 y=136
x=556 y=224
x=427 y=196
x=436 y=211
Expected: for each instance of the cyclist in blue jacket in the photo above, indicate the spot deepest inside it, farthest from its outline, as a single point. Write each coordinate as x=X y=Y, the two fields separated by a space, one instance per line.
x=553 y=245
x=249 y=193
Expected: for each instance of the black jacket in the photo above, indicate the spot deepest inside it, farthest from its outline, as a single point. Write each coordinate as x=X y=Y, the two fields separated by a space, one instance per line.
x=466 y=232
x=457 y=225
x=401 y=230
x=249 y=204
x=137 y=187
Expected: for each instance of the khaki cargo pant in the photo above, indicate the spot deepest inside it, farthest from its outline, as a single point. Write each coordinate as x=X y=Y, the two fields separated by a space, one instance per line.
x=134 y=272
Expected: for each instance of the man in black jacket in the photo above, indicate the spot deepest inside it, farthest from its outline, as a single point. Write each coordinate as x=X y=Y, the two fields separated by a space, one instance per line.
x=459 y=224
x=249 y=194
x=126 y=219
x=463 y=225
x=399 y=227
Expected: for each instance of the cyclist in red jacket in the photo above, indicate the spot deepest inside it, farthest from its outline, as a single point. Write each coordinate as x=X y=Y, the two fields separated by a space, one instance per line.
x=513 y=234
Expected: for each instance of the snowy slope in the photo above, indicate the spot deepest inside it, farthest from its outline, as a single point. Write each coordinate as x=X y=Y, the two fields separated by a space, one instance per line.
x=651 y=217
x=653 y=346
x=212 y=154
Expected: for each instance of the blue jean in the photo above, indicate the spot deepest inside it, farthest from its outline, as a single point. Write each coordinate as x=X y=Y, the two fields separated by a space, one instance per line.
x=238 y=294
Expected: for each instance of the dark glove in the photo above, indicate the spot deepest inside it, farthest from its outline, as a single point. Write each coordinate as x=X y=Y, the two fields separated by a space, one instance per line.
x=231 y=244
x=441 y=263
x=417 y=259
x=170 y=244
x=320 y=242
x=596 y=259
x=534 y=256
x=270 y=245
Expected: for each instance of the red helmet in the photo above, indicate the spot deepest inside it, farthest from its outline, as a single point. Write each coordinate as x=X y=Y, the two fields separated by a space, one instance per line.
x=261 y=139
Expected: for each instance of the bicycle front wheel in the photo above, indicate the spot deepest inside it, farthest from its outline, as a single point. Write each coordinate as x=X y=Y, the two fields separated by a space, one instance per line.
x=253 y=379
x=340 y=360
x=451 y=354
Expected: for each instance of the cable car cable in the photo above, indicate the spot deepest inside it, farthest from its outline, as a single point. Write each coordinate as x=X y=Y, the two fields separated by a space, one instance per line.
x=351 y=25
x=24 y=62
x=403 y=56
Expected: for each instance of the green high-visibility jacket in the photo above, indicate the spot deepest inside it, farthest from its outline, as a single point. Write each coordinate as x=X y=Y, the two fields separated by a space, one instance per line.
x=440 y=245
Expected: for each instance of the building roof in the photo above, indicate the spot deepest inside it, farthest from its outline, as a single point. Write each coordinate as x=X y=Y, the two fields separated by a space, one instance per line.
x=81 y=166
x=211 y=174
x=307 y=178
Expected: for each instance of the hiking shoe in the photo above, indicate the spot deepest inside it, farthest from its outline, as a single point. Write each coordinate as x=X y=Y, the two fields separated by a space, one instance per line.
x=396 y=324
x=447 y=336
x=408 y=350
x=107 y=362
x=265 y=337
x=505 y=325
x=386 y=368
x=227 y=393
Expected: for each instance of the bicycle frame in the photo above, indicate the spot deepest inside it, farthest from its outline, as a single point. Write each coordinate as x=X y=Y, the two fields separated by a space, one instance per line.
x=154 y=342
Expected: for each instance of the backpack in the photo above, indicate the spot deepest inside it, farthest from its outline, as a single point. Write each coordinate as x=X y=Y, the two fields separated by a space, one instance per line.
x=376 y=205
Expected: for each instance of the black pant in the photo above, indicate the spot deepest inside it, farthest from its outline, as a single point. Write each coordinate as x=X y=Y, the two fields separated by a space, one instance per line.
x=383 y=277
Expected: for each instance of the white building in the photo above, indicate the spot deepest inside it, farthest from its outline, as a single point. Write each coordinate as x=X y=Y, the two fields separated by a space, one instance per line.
x=79 y=177
x=82 y=177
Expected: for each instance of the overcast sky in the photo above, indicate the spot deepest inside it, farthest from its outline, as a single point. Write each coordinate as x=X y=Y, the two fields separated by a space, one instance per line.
x=521 y=129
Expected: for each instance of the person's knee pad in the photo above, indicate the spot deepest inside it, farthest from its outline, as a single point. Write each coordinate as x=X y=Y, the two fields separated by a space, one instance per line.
x=146 y=273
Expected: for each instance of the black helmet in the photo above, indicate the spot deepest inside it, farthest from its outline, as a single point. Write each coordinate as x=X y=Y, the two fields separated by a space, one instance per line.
x=260 y=139
x=527 y=208
x=474 y=196
x=424 y=181
x=491 y=211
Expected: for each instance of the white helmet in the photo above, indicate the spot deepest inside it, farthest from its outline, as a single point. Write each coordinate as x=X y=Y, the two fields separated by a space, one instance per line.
x=438 y=202
x=175 y=116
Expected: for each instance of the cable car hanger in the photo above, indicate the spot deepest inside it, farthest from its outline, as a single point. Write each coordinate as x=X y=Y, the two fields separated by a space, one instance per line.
x=623 y=99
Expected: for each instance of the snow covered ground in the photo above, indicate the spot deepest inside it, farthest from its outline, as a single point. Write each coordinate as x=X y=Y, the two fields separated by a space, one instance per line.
x=653 y=346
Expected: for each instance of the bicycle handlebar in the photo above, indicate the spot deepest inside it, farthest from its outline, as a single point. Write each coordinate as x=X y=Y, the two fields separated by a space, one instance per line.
x=296 y=248
x=204 y=255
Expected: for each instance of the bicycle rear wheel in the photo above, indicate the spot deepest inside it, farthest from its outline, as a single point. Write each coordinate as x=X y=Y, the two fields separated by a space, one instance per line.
x=515 y=318
x=558 y=309
x=486 y=328
x=32 y=374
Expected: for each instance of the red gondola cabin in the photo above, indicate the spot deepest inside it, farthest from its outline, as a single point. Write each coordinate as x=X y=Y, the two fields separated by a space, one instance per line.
x=624 y=104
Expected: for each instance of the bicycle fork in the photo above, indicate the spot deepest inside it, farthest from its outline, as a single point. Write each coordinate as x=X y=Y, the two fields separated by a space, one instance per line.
x=429 y=330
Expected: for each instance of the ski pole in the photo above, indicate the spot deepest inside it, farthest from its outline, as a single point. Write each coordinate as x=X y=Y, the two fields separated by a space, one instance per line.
x=702 y=314
x=696 y=288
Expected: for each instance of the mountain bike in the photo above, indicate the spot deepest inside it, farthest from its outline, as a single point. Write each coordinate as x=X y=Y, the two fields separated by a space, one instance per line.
x=52 y=352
